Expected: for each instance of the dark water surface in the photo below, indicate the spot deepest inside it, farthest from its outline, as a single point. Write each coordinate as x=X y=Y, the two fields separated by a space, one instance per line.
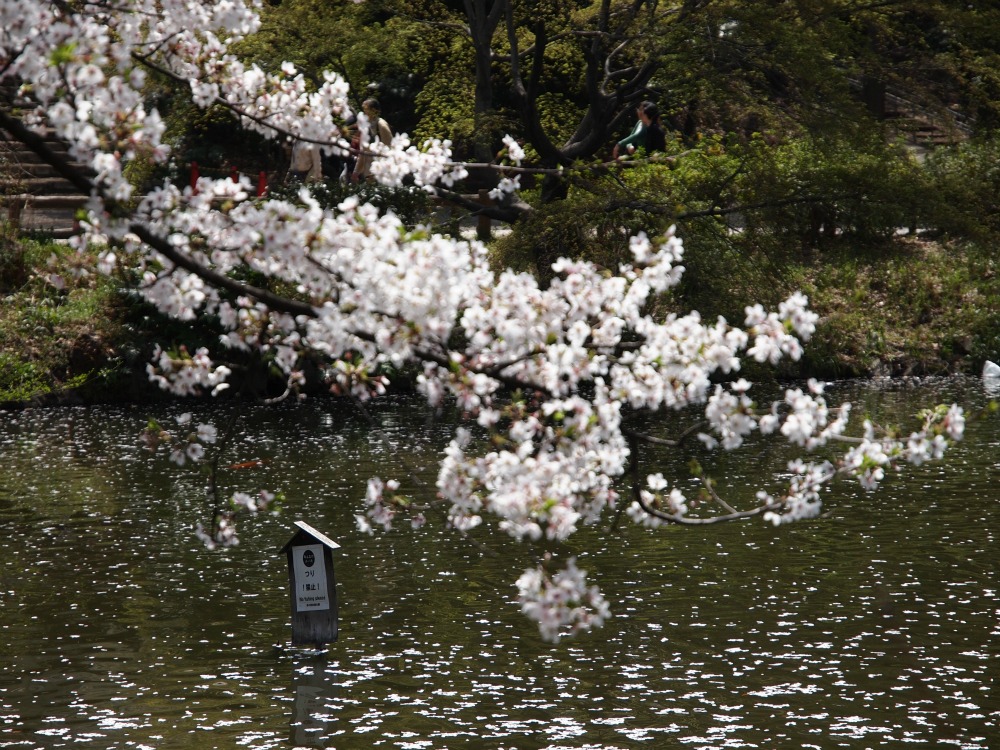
x=876 y=626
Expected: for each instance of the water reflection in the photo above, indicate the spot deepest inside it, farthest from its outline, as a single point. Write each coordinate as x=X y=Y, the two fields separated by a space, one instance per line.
x=876 y=626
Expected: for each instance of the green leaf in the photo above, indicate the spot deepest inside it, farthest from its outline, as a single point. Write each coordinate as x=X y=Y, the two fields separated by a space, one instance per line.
x=63 y=54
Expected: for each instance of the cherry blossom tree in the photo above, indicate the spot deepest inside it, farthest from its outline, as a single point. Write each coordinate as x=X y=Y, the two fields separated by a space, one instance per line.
x=551 y=377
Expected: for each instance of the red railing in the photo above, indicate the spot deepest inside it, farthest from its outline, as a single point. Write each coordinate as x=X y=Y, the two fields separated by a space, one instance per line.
x=234 y=175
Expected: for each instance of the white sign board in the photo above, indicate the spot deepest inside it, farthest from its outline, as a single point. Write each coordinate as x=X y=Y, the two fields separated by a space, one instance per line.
x=310 y=578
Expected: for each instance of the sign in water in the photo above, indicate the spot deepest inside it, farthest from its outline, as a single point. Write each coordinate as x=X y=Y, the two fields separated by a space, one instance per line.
x=312 y=586
x=310 y=578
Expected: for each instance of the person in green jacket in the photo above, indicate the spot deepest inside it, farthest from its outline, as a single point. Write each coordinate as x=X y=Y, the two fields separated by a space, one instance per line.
x=647 y=134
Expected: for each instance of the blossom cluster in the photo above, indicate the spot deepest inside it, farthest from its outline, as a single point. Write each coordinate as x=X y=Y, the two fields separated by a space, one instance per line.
x=187 y=444
x=223 y=531
x=562 y=604
x=671 y=504
x=383 y=503
x=509 y=185
x=186 y=374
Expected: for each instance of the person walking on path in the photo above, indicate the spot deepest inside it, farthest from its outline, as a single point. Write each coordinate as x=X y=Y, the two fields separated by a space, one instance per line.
x=338 y=165
x=378 y=130
x=305 y=163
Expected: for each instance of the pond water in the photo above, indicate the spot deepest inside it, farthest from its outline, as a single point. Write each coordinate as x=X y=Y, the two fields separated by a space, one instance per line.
x=875 y=626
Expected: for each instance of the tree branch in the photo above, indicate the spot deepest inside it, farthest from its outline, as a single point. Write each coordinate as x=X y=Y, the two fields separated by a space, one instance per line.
x=669 y=442
x=510 y=213
x=682 y=520
x=272 y=300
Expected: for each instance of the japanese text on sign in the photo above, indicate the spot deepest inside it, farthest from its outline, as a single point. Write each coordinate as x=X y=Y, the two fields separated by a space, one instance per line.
x=310 y=578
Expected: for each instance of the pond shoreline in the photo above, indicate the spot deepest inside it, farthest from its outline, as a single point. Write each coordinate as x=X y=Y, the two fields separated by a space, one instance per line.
x=911 y=307
x=132 y=386
x=143 y=392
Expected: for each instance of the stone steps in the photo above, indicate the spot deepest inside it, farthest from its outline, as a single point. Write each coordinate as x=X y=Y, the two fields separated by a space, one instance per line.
x=35 y=196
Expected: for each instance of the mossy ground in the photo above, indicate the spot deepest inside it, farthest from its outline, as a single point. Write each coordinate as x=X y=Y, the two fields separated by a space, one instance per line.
x=64 y=331
x=905 y=306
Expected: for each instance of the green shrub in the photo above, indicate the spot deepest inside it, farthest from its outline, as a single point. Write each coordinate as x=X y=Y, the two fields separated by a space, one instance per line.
x=411 y=204
x=966 y=179
x=808 y=190
x=56 y=322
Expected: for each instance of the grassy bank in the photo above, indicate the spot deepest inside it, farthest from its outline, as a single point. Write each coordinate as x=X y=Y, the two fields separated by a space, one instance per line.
x=65 y=332
x=905 y=306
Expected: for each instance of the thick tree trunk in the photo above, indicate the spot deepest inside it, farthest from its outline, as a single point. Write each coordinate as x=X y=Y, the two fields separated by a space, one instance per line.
x=483 y=17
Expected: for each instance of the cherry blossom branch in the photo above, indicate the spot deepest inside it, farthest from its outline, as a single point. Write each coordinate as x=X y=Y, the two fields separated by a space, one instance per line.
x=546 y=374
x=275 y=301
x=685 y=520
x=342 y=145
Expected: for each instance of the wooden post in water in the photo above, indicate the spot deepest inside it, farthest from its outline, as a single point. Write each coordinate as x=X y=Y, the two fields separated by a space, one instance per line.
x=312 y=586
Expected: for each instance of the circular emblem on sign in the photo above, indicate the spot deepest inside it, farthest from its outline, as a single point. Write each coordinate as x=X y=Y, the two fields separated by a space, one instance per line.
x=308 y=558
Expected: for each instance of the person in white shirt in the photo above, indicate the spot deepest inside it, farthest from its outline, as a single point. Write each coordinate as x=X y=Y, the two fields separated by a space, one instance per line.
x=378 y=129
x=306 y=165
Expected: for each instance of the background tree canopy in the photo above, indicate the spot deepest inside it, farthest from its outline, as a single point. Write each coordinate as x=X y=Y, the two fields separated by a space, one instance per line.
x=792 y=125
x=559 y=73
